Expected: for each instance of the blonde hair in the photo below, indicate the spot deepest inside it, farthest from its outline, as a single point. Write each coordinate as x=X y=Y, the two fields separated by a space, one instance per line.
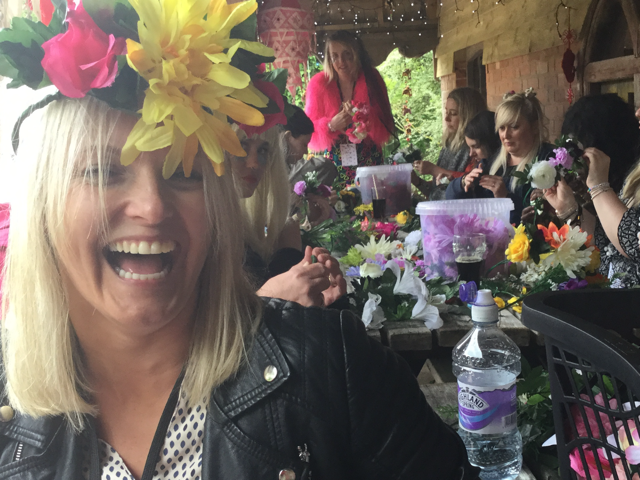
x=513 y=107
x=269 y=205
x=470 y=102
x=350 y=41
x=631 y=189
x=43 y=363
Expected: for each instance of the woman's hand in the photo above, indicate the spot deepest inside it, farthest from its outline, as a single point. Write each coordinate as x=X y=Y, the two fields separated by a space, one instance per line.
x=598 y=167
x=338 y=284
x=471 y=177
x=424 y=167
x=495 y=183
x=305 y=283
x=319 y=209
x=561 y=197
x=340 y=121
x=442 y=176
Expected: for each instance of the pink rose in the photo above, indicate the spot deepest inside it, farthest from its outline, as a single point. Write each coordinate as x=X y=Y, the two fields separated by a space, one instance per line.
x=82 y=58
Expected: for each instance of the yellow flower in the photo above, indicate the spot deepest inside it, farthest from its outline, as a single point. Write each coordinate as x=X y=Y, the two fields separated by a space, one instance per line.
x=365 y=207
x=403 y=217
x=595 y=261
x=500 y=302
x=515 y=305
x=518 y=249
x=184 y=53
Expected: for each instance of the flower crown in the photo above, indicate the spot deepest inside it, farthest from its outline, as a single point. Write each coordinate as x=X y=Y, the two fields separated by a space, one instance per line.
x=528 y=93
x=183 y=66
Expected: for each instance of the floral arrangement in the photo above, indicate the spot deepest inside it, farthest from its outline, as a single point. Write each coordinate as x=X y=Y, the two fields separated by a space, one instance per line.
x=545 y=173
x=383 y=283
x=358 y=130
x=311 y=185
x=182 y=66
x=438 y=232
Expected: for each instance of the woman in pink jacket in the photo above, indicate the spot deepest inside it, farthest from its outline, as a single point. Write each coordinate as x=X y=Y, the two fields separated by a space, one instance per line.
x=349 y=107
x=4 y=239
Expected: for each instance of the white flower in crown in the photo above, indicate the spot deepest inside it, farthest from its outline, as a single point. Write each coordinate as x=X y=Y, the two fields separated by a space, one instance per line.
x=382 y=246
x=542 y=175
x=569 y=253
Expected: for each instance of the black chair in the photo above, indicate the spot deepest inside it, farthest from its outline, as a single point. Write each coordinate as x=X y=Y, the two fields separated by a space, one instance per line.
x=589 y=339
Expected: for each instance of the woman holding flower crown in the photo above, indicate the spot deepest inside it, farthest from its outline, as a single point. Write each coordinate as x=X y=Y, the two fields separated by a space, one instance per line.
x=133 y=346
x=607 y=127
x=348 y=81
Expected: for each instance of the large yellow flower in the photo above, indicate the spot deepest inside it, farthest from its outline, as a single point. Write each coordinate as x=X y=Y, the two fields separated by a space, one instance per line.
x=518 y=249
x=184 y=53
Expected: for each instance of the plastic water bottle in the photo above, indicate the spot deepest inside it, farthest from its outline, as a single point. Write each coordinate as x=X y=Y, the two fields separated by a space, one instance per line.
x=487 y=363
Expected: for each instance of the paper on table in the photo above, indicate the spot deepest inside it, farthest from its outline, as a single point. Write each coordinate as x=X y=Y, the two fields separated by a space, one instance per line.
x=348 y=155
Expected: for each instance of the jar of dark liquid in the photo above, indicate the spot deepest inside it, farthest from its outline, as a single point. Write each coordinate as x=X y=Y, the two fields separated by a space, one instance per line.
x=468 y=251
x=379 y=201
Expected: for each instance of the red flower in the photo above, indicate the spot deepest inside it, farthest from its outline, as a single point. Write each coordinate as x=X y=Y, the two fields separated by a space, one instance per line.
x=82 y=58
x=270 y=119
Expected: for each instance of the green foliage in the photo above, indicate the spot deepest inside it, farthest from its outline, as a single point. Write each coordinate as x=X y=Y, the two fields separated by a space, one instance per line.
x=425 y=102
x=315 y=66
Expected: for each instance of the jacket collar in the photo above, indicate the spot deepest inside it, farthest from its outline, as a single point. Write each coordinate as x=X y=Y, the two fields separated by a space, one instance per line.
x=257 y=378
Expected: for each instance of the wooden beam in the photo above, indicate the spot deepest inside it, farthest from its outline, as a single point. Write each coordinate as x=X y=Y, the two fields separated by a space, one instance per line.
x=376 y=27
x=612 y=69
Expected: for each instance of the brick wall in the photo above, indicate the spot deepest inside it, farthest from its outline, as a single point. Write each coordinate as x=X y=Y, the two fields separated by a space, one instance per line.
x=540 y=70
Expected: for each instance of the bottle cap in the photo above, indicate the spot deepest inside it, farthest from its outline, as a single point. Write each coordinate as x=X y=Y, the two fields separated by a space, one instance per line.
x=484 y=309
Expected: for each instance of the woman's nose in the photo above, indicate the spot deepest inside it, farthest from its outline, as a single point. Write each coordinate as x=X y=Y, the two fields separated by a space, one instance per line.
x=251 y=160
x=148 y=200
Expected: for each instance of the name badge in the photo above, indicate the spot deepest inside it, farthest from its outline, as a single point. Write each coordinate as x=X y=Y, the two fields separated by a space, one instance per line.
x=349 y=155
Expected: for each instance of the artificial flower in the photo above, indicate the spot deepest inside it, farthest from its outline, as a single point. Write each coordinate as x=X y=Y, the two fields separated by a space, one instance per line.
x=414 y=238
x=300 y=187
x=571 y=254
x=372 y=313
x=371 y=270
x=573 y=284
x=499 y=301
x=631 y=448
x=271 y=91
x=515 y=304
x=554 y=236
x=563 y=158
x=542 y=175
x=403 y=217
x=185 y=53
x=364 y=224
x=594 y=264
x=371 y=249
x=83 y=57
x=386 y=228
x=340 y=206
x=596 y=279
x=324 y=190
x=518 y=249
x=365 y=207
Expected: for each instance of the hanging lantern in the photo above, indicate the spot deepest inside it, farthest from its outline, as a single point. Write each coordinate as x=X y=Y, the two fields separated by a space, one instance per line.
x=287 y=27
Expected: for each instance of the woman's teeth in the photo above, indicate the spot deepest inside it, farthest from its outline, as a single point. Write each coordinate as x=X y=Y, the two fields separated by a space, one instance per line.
x=137 y=276
x=143 y=248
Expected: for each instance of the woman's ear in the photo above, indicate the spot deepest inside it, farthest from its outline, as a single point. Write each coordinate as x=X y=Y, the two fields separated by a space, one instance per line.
x=287 y=136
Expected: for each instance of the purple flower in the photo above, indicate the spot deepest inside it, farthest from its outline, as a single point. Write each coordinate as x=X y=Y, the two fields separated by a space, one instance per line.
x=573 y=284
x=300 y=187
x=353 y=272
x=563 y=158
x=379 y=260
x=324 y=190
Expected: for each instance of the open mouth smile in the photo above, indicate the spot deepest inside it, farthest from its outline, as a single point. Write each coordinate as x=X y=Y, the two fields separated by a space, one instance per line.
x=141 y=260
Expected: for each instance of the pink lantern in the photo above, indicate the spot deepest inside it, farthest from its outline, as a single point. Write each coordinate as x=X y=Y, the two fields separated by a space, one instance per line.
x=287 y=27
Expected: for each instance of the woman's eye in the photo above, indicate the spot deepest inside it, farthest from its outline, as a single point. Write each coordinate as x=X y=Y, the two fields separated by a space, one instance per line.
x=94 y=173
x=180 y=176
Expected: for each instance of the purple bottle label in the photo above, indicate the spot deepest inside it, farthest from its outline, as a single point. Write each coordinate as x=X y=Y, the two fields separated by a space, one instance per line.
x=487 y=409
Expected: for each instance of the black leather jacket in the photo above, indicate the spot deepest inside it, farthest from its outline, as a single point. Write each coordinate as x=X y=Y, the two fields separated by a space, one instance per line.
x=352 y=402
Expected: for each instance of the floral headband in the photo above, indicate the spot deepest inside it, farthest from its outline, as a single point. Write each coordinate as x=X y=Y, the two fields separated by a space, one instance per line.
x=183 y=66
x=528 y=93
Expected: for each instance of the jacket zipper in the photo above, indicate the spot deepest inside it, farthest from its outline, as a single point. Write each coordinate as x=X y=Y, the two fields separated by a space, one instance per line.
x=18 y=454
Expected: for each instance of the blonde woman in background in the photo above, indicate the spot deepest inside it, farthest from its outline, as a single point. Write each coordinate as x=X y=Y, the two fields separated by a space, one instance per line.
x=274 y=257
x=520 y=123
x=462 y=105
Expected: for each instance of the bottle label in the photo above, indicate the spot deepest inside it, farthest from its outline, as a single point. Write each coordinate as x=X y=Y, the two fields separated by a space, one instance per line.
x=487 y=410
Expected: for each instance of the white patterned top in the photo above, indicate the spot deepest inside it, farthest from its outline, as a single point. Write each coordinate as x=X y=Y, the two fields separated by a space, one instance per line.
x=181 y=454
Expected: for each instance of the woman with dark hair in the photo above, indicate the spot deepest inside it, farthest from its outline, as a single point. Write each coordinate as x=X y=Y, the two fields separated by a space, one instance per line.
x=349 y=79
x=462 y=105
x=606 y=125
x=296 y=137
x=484 y=143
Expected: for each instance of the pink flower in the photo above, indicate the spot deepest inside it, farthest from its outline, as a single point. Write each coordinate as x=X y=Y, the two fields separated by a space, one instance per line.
x=592 y=464
x=270 y=119
x=562 y=158
x=388 y=229
x=82 y=58
x=364 y=225
x=324 y=190
x=591 y=417
x=300 y=187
